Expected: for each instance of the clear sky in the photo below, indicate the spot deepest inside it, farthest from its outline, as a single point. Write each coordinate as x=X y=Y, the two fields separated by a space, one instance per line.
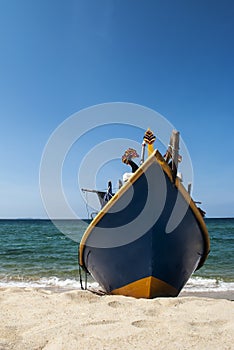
x=58 y=57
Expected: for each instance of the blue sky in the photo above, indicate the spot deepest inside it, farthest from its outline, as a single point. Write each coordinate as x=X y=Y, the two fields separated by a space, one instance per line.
x=58 y=57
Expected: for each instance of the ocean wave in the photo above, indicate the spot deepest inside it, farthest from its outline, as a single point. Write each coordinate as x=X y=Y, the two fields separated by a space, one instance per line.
x=40 y=283
x=199 y=284
x=195 y=284
x=44 y=282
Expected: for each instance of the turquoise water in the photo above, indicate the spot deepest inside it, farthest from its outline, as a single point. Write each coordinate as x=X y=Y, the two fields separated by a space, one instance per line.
x=220 y=263
x=35 y=250
x=36 y=253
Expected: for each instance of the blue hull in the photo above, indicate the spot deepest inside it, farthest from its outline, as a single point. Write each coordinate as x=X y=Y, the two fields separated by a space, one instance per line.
x=149 y=239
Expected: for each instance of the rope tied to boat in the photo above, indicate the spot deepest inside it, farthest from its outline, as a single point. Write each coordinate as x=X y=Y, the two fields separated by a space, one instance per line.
x=80 y=268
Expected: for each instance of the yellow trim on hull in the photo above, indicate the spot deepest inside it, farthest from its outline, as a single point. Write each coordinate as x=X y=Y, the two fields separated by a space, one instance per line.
x=111 y=202
x=190 y=202
x=155 y=156
x=148 y=287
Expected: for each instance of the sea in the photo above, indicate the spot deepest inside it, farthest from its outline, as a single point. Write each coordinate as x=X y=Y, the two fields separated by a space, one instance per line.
x=34 y=253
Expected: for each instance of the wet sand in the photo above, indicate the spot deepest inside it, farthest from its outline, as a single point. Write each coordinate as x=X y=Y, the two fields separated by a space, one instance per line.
x=229 y=295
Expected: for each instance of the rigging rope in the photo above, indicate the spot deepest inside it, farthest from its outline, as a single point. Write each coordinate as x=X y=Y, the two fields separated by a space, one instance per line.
x=86 y=203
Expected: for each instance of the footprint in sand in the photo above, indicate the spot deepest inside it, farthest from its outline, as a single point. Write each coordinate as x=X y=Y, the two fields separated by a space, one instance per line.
x=115 y=304
x=142 y=324
x=98 y=323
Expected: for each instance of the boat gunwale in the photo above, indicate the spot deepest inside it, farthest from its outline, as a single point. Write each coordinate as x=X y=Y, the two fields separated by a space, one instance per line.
x=155 y=156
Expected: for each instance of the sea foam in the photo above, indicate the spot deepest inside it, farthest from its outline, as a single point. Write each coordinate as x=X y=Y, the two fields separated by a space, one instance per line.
x=195 y=284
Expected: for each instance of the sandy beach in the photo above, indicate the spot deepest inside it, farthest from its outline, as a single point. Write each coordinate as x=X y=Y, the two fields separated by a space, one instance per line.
x=43 y=319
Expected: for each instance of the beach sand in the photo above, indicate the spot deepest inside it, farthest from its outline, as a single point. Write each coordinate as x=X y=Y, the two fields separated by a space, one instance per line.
x=43 y=319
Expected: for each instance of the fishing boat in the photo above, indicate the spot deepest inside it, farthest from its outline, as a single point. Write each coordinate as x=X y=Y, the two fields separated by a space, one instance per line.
x=149 y=236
